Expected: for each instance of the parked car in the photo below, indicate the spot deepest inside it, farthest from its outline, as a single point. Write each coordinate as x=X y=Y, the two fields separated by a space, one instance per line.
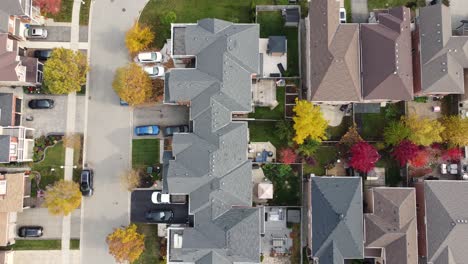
x=149 y=57
x=342 y=15
x=41 y=104
x=170 y=130
x=159 y=198
x=154 y=71
x=159 y=216
x=36 y=32
x=151 y=130
x=443 y=168
x=30 y=231
x=43 y=54
x=86 y=182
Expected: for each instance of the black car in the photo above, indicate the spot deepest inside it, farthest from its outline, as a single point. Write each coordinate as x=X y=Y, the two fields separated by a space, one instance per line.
x=30 y=231
x=170 y=130
x=86 y=182
x=159 y=216
x=41 y=104
x=43 y=54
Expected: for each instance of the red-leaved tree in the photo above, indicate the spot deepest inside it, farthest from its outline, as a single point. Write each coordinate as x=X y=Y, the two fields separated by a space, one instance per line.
x=48 y=6
x=420 y=159
x=363 y=156
x=404 y=151
x=287 y=156
x=453 y=154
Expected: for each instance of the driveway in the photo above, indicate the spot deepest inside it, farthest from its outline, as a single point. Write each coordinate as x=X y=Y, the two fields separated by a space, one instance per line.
x=62 y=34
x=162 y=115
x=44 y=256
x=47 y=121
x=141 y=202
x=359 y=11
x=107 y=150
x=459 y=11
x=52 y=224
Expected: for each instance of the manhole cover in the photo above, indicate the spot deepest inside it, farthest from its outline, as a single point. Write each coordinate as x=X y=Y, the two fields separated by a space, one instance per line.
x=123 y=9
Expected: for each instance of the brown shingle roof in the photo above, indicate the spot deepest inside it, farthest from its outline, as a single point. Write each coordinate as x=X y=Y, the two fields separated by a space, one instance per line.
x=13 y=200
x=392 y=224
x=333 y=61
x=386 y=57
x=4 y=219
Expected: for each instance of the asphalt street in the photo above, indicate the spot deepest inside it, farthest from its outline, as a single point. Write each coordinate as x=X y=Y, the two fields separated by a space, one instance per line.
x=141 y=203
x=108 y=130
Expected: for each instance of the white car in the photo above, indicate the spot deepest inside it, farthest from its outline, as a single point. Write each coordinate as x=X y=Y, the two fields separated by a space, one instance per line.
x=443 y=168
x=342 y=15
x=149 y=57
x=160 y=198
x=154 y=71
x=35 y=33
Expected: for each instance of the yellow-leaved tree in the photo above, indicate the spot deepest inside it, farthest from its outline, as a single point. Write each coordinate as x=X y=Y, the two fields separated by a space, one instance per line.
x=126 y=244
x=65 y=71
x=138 y=38
x=308 y=122
x=456 y=130
x=133 y=84
x=424 y=131
x=63 y=197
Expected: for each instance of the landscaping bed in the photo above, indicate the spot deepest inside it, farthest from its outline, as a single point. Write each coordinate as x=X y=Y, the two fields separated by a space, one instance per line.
x=276 y=113
x=155 y=247
x=286 y=181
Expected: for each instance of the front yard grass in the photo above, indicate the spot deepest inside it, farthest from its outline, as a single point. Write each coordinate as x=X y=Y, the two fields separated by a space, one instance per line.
x=49 y=244
x=276 y=113
x=382 y=4
x=189 y=11
x=264 y=131
x=323 y=156
x=74 y=244
x=66 y=9
x=286 y=181
x=272 y=24
x=145 y=152
x=151 y=254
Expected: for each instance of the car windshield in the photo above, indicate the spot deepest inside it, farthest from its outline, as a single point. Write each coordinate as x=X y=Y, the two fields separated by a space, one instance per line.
x=158 y=197
x=156 y=70
x=153 y=56
x=43 y=103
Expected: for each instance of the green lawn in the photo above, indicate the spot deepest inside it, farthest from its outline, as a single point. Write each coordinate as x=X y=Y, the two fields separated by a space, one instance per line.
x=371 y=125
x=264 y=132
x=65 y=14
x=74 y=244
x=152 y=245
x=37 y=244
x=145 y=152
x=49 y=168
x=276 y=113
x=286 y=182
x=272 y=24
x=379 y=4
x=349 y=11
x=323 y=156
x=189 y=11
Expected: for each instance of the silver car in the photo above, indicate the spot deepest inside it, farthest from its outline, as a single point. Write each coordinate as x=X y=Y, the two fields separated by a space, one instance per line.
x=149 y=57
x=35 y=33
x=154 y=71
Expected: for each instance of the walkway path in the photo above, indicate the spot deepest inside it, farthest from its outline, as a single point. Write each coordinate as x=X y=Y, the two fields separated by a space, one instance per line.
x=71 y=119
x=359 y=11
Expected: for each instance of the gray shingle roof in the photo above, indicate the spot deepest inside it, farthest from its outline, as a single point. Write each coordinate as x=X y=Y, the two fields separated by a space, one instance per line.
x=392 y=224
x=337 y=225
x=447 y=221
x=6 y=108
x=211 y=163
x=443 y=56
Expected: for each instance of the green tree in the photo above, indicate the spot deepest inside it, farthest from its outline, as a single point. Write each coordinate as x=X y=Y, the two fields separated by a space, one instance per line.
x=396 y=132
x=168 y=18
x=138 y=38
x=285 y=131
x=456 y=130
x=65 y=71
x=308 y=122
x=424 y=131
x=63 y=197
x=126 y=244
x=308 y=148
x=133 y=84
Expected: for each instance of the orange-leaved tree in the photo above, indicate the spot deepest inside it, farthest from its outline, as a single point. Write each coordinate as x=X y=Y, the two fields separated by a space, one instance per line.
x=308 y=122
x=138 y=38
x=126 y=244
x=133 y=84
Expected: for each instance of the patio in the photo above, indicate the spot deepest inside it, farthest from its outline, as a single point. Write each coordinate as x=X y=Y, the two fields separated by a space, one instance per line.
x=332 y=114
x=264 y=93
x=270 y=61
x=277 y=241
x=425 y=110
x=262 y=152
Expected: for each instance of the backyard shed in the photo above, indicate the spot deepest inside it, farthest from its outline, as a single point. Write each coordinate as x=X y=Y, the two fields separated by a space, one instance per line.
x=291 y=17
x=265 y=191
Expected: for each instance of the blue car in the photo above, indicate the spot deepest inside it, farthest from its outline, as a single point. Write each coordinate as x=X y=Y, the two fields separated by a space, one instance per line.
x=146 y=130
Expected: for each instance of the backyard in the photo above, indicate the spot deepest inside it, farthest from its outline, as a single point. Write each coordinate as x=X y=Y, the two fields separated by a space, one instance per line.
x=264 y=131
x=286 y=181
x=379 y=4
x=335 y=133
x=153 y=248
x=145 y=153
x=371 y=125
x=276 y=113
x=272 y=24
x=323 y=156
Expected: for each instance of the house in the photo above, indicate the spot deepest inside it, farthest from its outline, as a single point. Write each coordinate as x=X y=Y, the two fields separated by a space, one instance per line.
x=348 y=63
x=17 y=70
x=291 y=16
x=15 y=14
x=15 y=189
x=442 y=221
x=277 y=45
x=335 y=219
x=6 y=257
x=390 y=225
x=211 y=164
x=441 y=57
x=10 y=109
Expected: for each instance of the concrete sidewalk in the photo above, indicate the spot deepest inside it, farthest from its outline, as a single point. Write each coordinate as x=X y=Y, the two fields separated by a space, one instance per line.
x=44 y=257
x=52 y=224
x=51 y=45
